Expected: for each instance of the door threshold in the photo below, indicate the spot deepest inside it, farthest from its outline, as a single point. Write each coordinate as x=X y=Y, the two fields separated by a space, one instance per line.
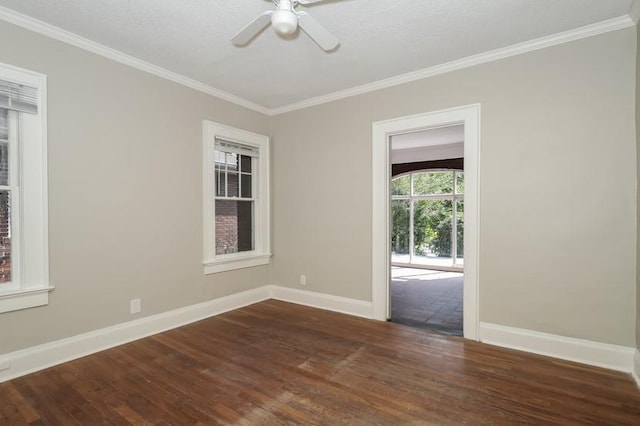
x=432 y=327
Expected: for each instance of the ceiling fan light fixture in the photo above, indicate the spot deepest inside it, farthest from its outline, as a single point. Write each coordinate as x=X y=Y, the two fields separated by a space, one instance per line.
x=284 y=22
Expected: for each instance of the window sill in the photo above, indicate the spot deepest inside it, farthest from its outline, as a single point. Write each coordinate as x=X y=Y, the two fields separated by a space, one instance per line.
x=23 y=299
x=232 y=263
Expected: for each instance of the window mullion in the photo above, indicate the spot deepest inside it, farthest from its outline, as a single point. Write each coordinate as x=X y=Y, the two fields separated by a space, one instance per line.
x=454 y=233
x=411 y=219
x=433 y=197
x=226 y=174
x=239 y=168
x=235 y=199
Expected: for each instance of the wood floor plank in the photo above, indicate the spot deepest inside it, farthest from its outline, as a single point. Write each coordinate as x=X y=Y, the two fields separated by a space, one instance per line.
x=27 y=412
x=279 y=363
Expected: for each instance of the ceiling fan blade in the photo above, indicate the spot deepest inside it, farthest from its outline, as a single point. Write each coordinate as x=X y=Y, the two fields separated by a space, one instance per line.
x=252 y=29
x=317 y=32
x=309 y=1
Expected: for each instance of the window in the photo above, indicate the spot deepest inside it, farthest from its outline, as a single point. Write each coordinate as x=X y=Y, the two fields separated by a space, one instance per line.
x=24 y=275
x=427 y=211
x=236 y=198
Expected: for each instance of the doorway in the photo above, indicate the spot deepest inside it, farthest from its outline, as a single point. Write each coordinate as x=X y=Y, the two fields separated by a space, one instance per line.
x=469 y=118
x=427 y=229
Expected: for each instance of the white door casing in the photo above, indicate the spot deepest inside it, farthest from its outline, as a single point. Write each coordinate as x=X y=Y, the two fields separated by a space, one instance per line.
x=468 y=115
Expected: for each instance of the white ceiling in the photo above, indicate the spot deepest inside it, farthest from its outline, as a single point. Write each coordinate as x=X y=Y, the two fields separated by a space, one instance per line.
x=430 y=137
x=379 y=39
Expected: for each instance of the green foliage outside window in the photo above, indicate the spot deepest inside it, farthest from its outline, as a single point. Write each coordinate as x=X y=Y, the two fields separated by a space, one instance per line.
x=432 y=218
x=400 y=221
x=401 y=185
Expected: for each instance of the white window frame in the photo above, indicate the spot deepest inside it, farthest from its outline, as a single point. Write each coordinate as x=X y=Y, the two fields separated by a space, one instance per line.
x=30 y=287
x=261 y=253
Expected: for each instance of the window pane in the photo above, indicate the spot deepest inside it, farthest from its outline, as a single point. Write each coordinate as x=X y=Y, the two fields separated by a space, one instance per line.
x=431 y=183
x=432 y=220
x=232 y=184
x=460 y=183
x=4 y=163
x=234 y=226
x=221 y=181
x=401 y=185
x=460 y=230
x=4 y=147
x=246 y=186
x=5 y=237
x=232 y=161
x=245 y=164
x=219 y=158
x=400 y=231
x=4 y=124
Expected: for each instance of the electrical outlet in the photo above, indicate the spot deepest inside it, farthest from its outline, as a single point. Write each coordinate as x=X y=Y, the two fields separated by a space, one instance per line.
x=135 y=306
x=5 y=365
x=303 y=280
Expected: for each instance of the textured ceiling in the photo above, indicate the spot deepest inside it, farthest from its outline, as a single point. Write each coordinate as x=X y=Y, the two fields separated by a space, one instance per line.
x=379 y=38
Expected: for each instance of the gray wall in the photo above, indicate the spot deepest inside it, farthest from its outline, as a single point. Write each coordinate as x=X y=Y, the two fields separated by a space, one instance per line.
x=125 y=192
x=638 y=187
x=125 y=189
x=558 y=187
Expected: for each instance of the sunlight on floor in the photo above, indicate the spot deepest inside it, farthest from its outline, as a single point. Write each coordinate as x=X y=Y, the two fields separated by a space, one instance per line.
x=405 y=274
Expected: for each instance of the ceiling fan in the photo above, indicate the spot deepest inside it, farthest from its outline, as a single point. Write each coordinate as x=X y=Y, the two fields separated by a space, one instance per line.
x=285 y=21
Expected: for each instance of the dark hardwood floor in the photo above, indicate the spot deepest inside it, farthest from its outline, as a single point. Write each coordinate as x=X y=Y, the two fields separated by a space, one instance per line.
x=279 y=363
x=428 y=299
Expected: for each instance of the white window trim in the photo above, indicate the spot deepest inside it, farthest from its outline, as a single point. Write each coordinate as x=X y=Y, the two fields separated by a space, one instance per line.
x=33 y=288
x=262 y=252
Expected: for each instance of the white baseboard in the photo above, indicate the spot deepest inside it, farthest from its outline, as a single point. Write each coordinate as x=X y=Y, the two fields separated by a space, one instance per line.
x=22 y=362
x=355 y=307
x=604 y=355
x=636 y=367
x=39 y=357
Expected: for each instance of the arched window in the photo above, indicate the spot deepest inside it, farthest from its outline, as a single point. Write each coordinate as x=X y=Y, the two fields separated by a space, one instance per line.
x=428 y=219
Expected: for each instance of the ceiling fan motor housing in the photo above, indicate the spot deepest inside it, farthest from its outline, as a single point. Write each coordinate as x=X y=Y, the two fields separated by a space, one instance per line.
x=284 y=19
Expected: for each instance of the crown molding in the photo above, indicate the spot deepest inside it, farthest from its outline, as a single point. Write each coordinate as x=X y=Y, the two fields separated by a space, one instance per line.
x=64 y=36
x=634 y=12
x=493 y=55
